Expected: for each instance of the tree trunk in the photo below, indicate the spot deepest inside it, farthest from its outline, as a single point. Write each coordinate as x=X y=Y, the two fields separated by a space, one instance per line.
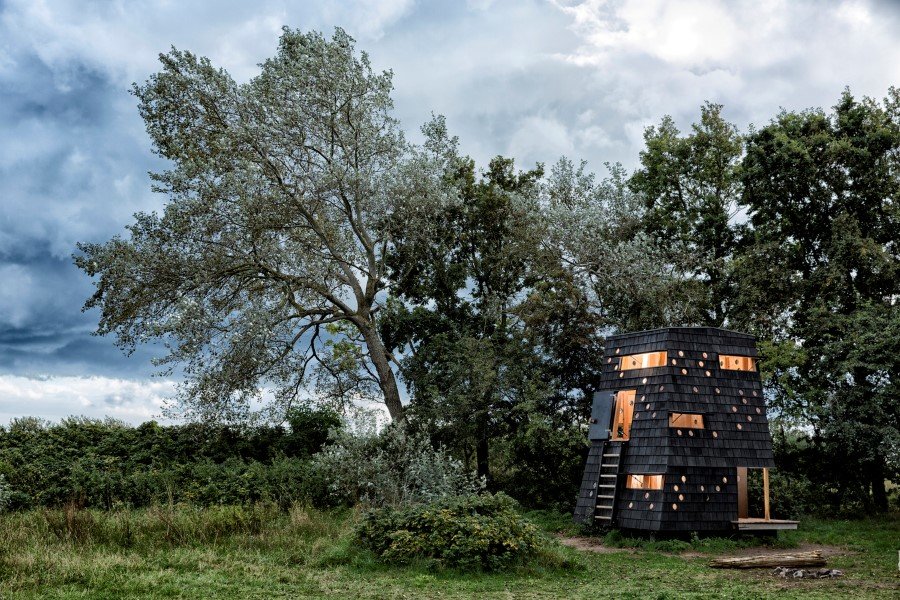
x=482 y=464
x=386 y=379
x=879 y=494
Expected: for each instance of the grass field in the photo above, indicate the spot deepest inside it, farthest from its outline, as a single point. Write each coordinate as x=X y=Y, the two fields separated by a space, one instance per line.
x=259 y=552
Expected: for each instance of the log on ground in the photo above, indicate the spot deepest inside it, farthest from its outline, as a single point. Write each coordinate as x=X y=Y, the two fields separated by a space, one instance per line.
x=796 y=559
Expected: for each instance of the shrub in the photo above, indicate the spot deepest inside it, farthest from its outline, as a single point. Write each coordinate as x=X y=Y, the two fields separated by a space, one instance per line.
x=468 y=532
x=5 y=493
x=395 y=467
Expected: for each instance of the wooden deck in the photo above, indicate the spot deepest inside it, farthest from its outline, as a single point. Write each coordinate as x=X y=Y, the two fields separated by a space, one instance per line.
x=758 y=524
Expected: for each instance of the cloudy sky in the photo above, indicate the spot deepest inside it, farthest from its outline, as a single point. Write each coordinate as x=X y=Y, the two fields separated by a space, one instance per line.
x=525 y=78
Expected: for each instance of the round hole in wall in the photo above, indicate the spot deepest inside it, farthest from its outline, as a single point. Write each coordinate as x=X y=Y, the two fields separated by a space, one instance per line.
x=644 y=380
x=684 y=371
x=675 y=487
x=691 y=432
x=705 y=355
x=744 y=400
x=715 y=434
x=717 y=390
x=702 y=488
x=754 y=393
x=749 y=418
x=662 y=388
x=684 y=479
x=740 y=426
x=646 y=495
x=630 y=504
x=734 y=409
x=740 y=392
x=651 y=506
x=609 y=360
x=647 y=407
x=617 y=350
x=708 y=373
x=695 y=389
x=653 y=415
x=621 y=374
x=679 y=432
x=718 y=489
x=681 y=497
x=674 y=362
x=701 y=363
x=707 y=499
x=724 y=480
x=680 y=353
x=758 y=411
x=674 y=506
x=643 y=398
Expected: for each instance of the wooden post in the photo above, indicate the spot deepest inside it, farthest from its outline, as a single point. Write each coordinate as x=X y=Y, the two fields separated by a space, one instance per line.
x=766 y=493
x=743 y=510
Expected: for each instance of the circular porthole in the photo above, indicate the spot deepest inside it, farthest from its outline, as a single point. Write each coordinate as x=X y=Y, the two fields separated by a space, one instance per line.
x=724 y=480
x=681 y=497
x=734 y=409
x=679 y=431
x=715 y=434
x=740 y=392
x=705 y=355
x=702 y=488
x=717 y=390
x=662 y=388
x=740 y=426
x=609 y=360
x=647 y=407
x=617 y=350
x=754 y=393
x=680 y=353
x=621 y=374
x=674 y=506
x=758 y=411
x=749 y=418
x=708 y=373
x=684 y=371
x=718 y=489
x=675 y=487
x=631 y=505
x=696 y=389
x=744 y=400
x=644 y=380
x=684 y=479
x=651 y=506
x=691 y=432
x=653 y=415
x=646 y=495
x=643 y=398
x=701 y=363
x=674 y=362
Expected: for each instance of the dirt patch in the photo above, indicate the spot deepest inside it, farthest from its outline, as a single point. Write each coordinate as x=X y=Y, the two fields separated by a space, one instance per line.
x=587 y=544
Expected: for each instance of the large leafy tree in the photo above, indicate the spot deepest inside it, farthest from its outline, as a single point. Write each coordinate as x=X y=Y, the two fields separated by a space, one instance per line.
x=691 y=187
x=277 y=225
x=820 y=277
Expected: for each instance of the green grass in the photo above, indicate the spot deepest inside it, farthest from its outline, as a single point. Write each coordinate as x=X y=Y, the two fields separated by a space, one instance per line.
x=259 y=552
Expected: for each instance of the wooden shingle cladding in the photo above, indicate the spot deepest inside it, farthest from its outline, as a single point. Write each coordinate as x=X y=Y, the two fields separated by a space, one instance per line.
x=735 y=429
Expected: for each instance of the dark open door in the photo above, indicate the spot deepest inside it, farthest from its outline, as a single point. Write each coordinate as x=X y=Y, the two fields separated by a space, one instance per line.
x=601 y=414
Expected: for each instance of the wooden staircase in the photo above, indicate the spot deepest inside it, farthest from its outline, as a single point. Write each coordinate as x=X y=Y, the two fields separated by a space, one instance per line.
x=608 y=484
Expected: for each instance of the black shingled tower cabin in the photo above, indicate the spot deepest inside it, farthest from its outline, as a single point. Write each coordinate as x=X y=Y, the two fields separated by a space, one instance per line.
x=678 y=421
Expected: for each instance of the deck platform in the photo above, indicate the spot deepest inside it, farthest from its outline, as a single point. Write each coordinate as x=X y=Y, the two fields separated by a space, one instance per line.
x=758 y=524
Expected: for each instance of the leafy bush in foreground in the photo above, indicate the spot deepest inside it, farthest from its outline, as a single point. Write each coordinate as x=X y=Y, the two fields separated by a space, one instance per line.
x=475 y=531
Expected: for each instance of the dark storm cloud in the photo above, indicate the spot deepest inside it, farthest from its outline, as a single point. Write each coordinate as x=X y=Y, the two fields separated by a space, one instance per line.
x=524 y=78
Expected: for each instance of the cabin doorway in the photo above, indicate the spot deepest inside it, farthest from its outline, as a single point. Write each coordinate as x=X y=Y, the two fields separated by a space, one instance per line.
x=622 y=415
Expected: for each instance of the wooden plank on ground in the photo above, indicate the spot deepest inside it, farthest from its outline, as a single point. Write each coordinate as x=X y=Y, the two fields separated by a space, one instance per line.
x=796 y=559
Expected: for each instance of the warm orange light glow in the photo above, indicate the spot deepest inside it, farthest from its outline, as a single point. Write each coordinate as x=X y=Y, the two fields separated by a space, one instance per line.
x=686 y=420
x=644 y=482
x=647 y=360
x=624 y=411
x=737 y=363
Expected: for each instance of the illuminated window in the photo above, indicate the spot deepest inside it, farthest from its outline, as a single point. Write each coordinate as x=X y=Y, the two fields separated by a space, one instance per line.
x=686 y=420
x=648 y=360
x=737 y=363
x=644 y=482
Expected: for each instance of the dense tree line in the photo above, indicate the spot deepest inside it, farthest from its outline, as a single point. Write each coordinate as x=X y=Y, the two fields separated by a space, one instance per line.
x=307 y=247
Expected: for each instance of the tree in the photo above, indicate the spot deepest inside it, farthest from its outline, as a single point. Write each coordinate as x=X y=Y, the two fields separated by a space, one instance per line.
x=626 y=275
x=691 y=188
x=280 y=194
x=820 y=277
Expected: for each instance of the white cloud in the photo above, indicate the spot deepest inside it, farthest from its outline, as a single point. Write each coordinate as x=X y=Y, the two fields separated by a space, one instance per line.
x=53 y=398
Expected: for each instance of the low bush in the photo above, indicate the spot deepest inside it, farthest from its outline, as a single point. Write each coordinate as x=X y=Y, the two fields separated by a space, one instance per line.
x=468 y=532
